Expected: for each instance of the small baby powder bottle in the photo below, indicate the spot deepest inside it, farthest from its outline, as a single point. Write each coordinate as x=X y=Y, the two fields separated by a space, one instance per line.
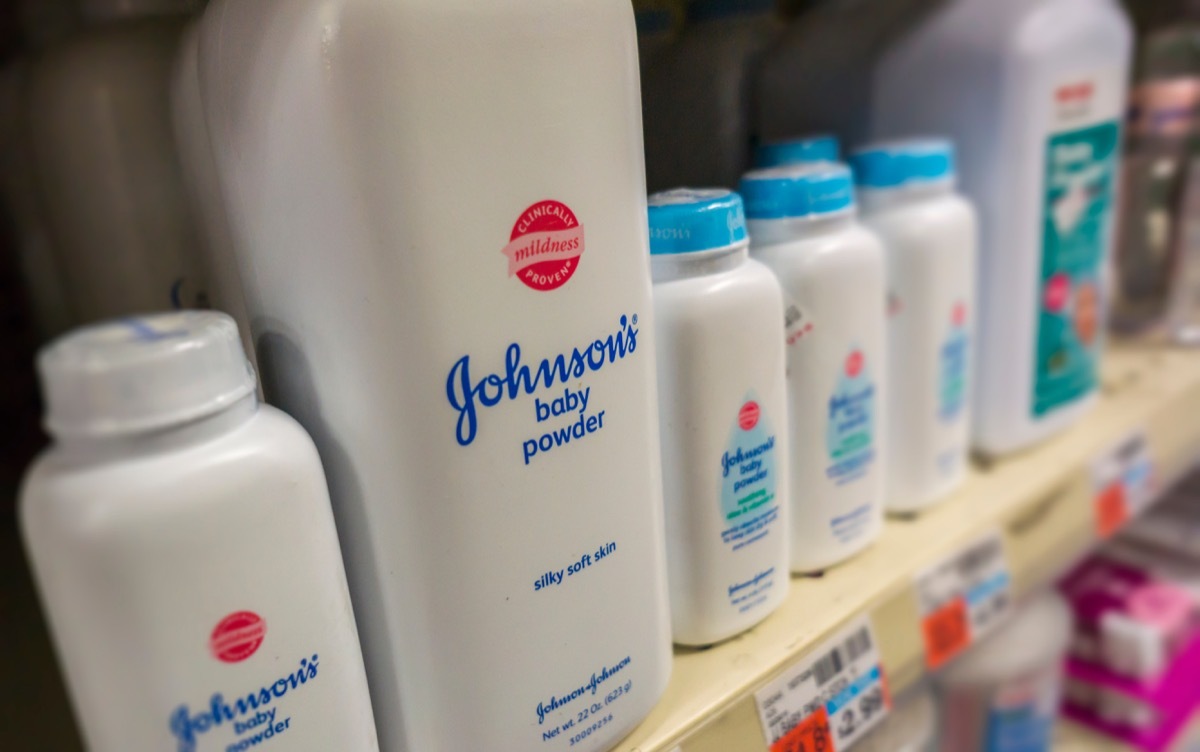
x=929 y=233
x=184 y=546
x=723 y=416
x=831 y=269
x=824 y=148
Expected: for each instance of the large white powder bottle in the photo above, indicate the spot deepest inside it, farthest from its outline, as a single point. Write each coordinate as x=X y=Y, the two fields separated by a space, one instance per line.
x=439 y=212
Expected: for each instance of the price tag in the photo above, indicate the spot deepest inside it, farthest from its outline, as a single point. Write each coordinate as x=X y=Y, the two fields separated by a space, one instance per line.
x=963 y=597
x=1123 y=482
x=829 y=699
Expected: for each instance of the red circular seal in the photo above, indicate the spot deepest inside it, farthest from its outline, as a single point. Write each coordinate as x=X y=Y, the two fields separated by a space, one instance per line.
x=854 y=364
x=237 y=636
x=545 y=246
x=959 y=315
x=748 y=415
x=1058 y=290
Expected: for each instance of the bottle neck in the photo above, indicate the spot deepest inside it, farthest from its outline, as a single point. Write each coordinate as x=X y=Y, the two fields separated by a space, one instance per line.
x=174 y=437
x=874 y=199
x=775 y=231
x=673 y=266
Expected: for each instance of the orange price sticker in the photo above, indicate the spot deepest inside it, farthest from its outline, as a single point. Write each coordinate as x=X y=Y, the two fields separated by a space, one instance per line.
x=947 y=632
x=1112 y=511
x=810 y=735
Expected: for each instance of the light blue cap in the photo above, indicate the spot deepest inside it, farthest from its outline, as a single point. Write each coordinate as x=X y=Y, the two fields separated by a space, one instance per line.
x=898 y=163
x=799 y=150
x=687 y=220
x=794 y=191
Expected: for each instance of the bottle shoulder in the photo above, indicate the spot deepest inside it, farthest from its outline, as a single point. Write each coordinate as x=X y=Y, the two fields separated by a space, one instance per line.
x=267 y=450
x=748 y=286
x=851 y=247
x=950 y=216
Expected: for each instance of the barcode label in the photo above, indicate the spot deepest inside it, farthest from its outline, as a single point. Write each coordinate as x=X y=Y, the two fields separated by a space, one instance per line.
x=831 y=665
x=963 y=597
x=1124 y=483
x=839 y=687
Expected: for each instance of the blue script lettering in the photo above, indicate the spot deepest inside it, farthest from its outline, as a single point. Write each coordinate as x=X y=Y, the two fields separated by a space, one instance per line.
x=187 y=727
x=466 y=395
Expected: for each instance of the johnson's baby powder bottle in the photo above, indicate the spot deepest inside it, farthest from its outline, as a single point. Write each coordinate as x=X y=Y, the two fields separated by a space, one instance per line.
x=723 y=412
x=906 y=189
x=105 y=163
x=802 y=226
x=798 y=151
x=183 y=543
x=1032 y=93
x=446 y=262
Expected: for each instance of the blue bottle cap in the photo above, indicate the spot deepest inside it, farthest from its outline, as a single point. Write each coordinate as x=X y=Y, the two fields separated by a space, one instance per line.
x=798 y=151
x=687 y=220
x=898 y=163
x=794 y=191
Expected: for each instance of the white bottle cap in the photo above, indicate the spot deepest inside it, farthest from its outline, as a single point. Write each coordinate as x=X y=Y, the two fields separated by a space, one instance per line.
x=107 y=10
x=142 y=374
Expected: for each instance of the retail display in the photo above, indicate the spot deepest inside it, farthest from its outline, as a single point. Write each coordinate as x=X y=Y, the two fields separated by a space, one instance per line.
x=824 y=148
x=566 y=423
x=1004 y=693
x=722 y=407
x=105 y=164
x=906 y=189
x=184 y=547
x=802 y=225
x=1032 y=94
x=448 y=272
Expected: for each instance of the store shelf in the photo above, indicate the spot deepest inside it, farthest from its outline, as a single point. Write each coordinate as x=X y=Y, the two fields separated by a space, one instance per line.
x=1072 y=738
x=1042 y=501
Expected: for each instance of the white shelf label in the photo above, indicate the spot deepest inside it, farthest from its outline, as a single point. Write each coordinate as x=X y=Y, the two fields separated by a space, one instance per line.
x=830 y=698
x=1124 y=483
x=962 y=597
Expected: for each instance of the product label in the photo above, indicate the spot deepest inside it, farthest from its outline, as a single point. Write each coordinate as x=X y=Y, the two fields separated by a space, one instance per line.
x=564 y=409
x=545 y=246
x=963 y=597
x=1080 y=166
x=829 y=699
x=953 y=360
x=849 y=435
x=1124 y=483
x=583 y=709
x=1021 y=716
x=254 y=715
x=749 y=506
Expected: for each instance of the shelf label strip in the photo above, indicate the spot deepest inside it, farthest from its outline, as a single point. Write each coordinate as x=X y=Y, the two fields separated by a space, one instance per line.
x=830 y=698
x=1124 y=483
x=962 y=597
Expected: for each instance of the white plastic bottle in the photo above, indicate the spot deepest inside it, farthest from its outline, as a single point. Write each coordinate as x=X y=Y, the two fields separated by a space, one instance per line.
x=105 y=162
x=831 y=269
x=447 y=266
x=723 y=413
x=1032 y=93
x=906 y=189
x=1004 y=693
x=184 y=546
x=824 y=148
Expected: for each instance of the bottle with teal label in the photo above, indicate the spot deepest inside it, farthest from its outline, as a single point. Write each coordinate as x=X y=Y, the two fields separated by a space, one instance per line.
x=723 y=415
